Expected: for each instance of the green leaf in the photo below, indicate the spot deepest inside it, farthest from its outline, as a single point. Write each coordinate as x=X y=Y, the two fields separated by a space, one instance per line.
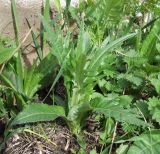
x=135 y=80
x=38 y=112
x=3 y=111
x=15 y=21
x=40 y=76
x=114 y=9
x=58 y=5
x=154 y=108
x=93 y=151
x=36 y=43
x=122 y=149
x=79 y=112
x=55 y=39
x=143 y=107
x=19 y=70
x=8 y=82
x=5 y=54
x=149 y=44
x=99 y=56
x=113 y=108
x=147 y=143
x=46 y=14
x=156 y=84
x=109 y=128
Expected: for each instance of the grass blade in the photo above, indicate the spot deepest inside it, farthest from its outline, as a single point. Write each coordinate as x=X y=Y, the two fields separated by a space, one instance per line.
x=16 y=28
x=15 y=21
x=46 y=14
x=35 y=41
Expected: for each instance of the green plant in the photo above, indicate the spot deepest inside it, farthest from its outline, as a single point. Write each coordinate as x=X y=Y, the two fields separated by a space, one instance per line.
x=24 y=82
x=81 y=66
x=32 y=80
x=108 y=70
x=146 y=143
x=3 y=111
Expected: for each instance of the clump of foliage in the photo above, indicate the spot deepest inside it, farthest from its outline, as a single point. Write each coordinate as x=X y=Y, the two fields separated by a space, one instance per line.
x=110 y=69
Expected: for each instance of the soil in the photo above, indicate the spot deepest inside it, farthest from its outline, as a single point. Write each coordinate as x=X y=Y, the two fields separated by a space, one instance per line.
x=59 y=140
x=29 y=10
x=30 y=13
x=2 y=127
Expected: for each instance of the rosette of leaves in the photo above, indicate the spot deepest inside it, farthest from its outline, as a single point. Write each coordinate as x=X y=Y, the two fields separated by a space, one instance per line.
x=23 y=84
x=81 y=68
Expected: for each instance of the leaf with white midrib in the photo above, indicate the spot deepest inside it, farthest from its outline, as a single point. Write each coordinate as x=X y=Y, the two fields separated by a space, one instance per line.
x=110 y=46
x=38 y=112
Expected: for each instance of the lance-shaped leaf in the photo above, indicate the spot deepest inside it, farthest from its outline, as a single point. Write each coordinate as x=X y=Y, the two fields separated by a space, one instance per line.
x=5 y=54
x=38 y=112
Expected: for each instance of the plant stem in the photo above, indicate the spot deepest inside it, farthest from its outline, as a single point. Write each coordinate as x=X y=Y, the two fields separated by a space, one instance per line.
x=114 y=135
x=15 y=21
